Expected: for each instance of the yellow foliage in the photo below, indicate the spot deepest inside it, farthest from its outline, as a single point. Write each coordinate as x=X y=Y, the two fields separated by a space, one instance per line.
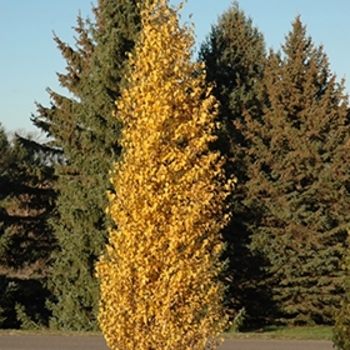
x=159 y=285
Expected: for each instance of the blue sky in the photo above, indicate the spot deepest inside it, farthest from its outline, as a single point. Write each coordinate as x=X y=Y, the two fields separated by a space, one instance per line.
x=29 y=57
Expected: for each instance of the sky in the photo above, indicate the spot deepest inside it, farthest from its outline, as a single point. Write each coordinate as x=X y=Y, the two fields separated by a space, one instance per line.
x=29 y=58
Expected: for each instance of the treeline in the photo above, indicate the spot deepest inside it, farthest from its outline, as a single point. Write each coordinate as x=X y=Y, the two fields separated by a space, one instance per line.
x=283 y=128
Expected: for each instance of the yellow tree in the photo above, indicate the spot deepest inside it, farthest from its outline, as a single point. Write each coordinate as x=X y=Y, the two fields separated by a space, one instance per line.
x=159 y=275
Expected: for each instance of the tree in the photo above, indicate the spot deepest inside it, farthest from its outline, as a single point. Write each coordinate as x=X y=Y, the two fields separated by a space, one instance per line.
x=81 y=126
x=299 y=180
x=234 y=55
x=159 y=287
x=26 y=239
x=341 y=331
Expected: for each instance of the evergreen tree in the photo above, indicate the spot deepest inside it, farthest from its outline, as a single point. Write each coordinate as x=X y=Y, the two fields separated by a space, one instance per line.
x=159 y=287
x=234 y=55
x=341 y=332
x=26 y=239
x=81 y=125
x=299 y=180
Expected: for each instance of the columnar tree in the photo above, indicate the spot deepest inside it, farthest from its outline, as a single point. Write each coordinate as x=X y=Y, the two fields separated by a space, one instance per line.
x=234 y=55
x=299 y=179
x=81 y=126
x=159 y=275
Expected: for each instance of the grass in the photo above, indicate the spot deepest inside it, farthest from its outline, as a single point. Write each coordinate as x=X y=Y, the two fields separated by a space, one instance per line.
x=44 y=331
x=296 y=333
x=271 y=332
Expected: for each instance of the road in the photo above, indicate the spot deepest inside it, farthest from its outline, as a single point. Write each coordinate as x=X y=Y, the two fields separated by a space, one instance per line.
x=54 y=342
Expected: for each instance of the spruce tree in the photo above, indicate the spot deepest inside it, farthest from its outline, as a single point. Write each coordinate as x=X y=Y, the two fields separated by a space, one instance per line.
x=299 y=180
x=81 y=126
x=341 y=332
x=26 y=238
x=234 y=55
x=159 y=287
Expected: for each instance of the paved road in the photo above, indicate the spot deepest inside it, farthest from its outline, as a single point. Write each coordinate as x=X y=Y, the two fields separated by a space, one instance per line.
x=53 y=342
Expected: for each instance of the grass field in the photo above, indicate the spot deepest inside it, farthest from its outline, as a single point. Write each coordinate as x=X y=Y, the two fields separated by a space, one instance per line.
x=296 y=333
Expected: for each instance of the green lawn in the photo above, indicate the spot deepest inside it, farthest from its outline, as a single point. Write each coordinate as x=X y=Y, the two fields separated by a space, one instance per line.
x=300 y=333
x=46 y=332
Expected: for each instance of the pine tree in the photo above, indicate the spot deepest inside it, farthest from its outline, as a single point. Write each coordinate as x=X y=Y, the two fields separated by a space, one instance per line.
x=299 y=180
x=159 y=287
x=341 y=331
x=234 y=55
x=81 y=126
x=26 y=239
